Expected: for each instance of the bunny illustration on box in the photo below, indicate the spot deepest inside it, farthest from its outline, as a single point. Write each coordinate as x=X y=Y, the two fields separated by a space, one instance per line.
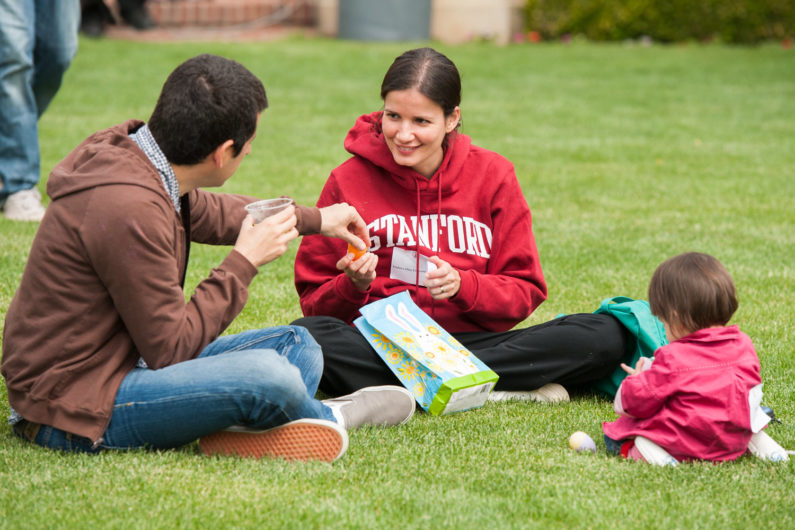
x=442 y=374
x=438 y=354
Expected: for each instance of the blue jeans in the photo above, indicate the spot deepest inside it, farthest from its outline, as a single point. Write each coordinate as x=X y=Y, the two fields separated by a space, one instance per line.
x=38 y=39
x=260 y=378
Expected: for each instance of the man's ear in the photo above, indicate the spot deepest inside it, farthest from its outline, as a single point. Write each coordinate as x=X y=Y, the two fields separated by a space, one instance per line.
x=222 y=153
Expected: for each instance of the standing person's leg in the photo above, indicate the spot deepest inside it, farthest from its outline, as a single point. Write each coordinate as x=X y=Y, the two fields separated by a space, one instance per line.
x=19 y=141
x=571 y=350
x=38 y=39
x=57 y=25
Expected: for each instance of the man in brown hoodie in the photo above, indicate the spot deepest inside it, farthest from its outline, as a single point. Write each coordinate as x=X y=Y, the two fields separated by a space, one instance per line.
x=100 y=350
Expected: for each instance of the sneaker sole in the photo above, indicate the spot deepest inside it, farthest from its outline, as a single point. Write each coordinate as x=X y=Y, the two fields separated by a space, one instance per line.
x=302 y=440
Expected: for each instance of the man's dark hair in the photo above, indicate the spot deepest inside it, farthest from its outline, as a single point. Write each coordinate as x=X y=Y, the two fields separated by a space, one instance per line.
x=206 y=101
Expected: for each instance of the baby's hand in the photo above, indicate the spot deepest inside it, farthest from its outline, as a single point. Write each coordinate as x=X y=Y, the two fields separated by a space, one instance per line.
x=639 y=366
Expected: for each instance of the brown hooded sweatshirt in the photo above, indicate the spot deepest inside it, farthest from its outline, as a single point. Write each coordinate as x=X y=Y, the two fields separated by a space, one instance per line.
x=103 y=284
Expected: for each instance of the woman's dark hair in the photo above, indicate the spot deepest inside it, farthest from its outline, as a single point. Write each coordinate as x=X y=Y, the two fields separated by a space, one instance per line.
x=693 y=289
x=206 y=101
x=430 y=72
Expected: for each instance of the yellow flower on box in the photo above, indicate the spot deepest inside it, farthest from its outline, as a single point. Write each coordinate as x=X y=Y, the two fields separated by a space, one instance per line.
x=408 y=370
x=383 y=342
x=408 y=342
x=394 y=356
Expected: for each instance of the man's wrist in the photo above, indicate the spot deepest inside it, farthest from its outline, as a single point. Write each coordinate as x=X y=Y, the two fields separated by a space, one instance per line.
x=309 y=220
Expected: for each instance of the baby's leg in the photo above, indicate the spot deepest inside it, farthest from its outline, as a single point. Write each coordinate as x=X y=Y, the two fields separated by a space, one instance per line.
x=764 y=447
x=641 y=449
x=651 y=453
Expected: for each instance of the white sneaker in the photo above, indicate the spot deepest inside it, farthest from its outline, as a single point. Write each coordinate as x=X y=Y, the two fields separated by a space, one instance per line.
x=375 y=405
x=653 y=453
x=764 y=447
x=24 y=205
x=549 y=393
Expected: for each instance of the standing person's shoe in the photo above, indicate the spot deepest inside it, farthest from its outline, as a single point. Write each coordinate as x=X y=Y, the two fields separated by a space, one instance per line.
x=134 y=12
x=93 y=19
x=549 y=393
x=24 y=205
x=375 y=405
x=306 y=439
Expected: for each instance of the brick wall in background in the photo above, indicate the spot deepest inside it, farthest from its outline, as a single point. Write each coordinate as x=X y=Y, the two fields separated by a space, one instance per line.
x=224 y=13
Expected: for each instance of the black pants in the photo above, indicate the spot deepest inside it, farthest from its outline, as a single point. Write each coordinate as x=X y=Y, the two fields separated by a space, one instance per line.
x=572 y=350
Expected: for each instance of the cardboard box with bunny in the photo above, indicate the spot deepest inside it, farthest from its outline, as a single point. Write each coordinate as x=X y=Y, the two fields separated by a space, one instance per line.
x=442 y=374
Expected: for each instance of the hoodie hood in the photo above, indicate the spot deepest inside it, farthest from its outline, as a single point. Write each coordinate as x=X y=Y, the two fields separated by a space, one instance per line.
x=104 y=158
x=366 y=140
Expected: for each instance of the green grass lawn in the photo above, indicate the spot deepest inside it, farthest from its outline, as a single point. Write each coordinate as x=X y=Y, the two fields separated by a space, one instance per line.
x=626 y=155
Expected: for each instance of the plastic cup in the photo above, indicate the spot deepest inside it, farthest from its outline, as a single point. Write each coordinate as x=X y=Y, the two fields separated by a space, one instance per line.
x=261 y=209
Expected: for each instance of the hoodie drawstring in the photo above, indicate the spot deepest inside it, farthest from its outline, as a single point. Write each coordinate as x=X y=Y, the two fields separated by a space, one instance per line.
x=417 y=235
x=417 y=242
x=438 y=220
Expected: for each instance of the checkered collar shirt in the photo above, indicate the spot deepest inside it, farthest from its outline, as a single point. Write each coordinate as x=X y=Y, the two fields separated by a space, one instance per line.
x=143 y=137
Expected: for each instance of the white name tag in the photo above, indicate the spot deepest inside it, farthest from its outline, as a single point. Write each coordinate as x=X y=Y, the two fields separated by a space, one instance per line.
x=404 y=266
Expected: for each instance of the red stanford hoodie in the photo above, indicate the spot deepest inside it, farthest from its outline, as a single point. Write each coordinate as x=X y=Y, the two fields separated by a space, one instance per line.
x=471 y=213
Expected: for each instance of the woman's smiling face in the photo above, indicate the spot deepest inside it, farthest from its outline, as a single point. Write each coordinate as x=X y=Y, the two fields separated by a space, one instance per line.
x=414 y=128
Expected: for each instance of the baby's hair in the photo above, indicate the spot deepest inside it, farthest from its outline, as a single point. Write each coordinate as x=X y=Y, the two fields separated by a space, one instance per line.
x=693 y=290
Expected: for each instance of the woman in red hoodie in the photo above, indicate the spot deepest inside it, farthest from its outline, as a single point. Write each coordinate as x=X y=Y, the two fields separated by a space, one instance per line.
x=449 y=223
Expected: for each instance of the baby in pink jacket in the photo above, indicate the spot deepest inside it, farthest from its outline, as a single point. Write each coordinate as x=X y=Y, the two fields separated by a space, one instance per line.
x=700 y=397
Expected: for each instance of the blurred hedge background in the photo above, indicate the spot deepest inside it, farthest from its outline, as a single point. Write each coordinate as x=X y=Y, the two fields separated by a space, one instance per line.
x=730 y=21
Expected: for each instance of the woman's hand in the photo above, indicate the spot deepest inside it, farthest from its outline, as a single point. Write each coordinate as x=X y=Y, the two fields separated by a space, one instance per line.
x=360 y=271
x=443 y=282
x=263 y=242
